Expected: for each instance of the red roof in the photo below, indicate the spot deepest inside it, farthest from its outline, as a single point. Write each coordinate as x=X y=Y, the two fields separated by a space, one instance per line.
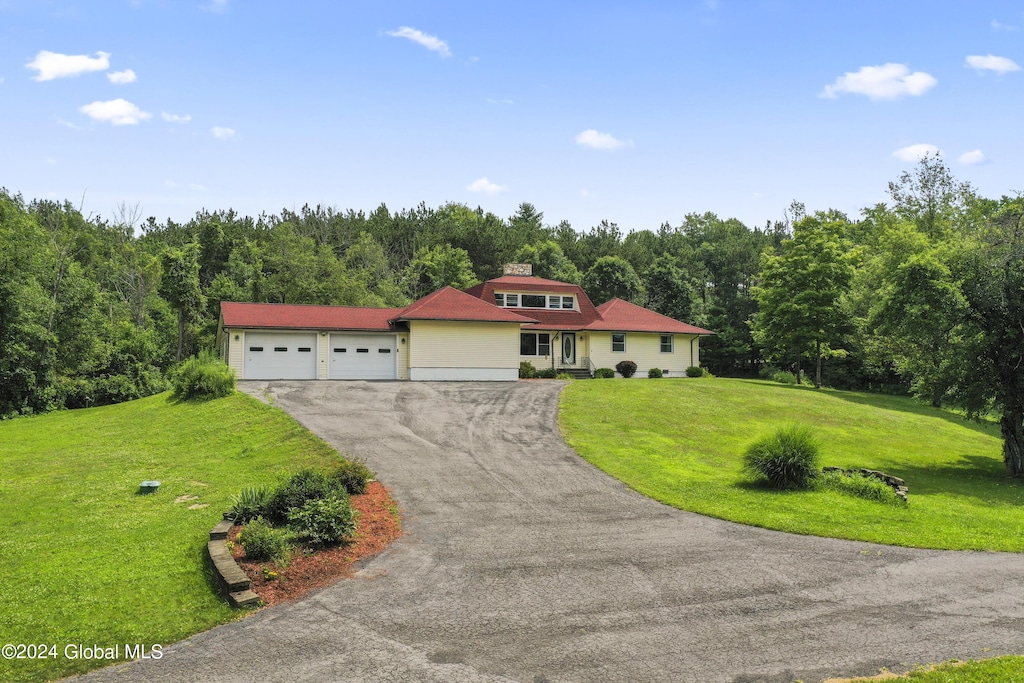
x=305 y=317
x=452 y=304
x=621 y=316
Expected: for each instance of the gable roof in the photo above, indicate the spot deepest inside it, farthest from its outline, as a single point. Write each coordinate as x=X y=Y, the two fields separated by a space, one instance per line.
x=452 y=304
x=621 y=316
x=307 y=317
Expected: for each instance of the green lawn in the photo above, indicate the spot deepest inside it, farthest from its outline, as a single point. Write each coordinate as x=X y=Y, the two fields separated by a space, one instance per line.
x=88 y=560
x=680 y=441
x=998 y=670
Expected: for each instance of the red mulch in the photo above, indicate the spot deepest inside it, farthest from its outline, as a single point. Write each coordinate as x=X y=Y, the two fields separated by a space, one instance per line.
x=379 y=523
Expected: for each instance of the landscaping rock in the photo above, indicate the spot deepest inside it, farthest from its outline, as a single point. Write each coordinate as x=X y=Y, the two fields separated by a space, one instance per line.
x=898 y=485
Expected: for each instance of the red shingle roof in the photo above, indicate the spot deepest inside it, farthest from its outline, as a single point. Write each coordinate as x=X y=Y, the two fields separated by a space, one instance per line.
x=621 y=316
x=304 y=317
x=452 y=304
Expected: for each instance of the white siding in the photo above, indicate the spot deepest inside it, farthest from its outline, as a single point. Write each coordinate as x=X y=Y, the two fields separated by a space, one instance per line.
x=458 y=346
x=644 y=349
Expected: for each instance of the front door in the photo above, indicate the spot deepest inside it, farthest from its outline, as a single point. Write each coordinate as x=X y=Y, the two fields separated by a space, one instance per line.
x=569 y=348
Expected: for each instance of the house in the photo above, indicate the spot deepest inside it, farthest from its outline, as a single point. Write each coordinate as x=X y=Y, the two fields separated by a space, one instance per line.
x=481 y=334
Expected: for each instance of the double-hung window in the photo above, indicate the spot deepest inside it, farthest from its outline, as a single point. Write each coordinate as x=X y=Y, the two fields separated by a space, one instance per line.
x=666 y=343
x=535 y=344
x=619 y=342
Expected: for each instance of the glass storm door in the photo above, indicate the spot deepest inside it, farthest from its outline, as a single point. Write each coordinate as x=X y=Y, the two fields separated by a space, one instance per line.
x=569 y=348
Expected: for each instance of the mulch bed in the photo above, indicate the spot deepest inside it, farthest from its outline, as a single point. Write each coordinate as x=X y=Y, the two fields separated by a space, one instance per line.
x=379 y=523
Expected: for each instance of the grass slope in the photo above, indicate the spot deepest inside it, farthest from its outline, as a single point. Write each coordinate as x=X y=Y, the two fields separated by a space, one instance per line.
x=680 y=441
x=87 y=560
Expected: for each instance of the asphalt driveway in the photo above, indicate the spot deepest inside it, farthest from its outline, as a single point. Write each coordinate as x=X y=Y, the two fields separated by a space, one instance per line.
x=521 y=562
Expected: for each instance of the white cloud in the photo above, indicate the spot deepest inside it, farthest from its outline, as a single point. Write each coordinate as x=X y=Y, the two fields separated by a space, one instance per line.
x=222 y=133
x=971 y=158
x=885 y=82
x=489 y=100
x=218 y=6
x=68 y=124
x=425 y=39
x=51 y=65
x=997 y=26
x=121 y=77
x=591 y=138
x=117 y=112
x=915 y=152
x=1000 y=65
x=485 y=186
x=175 y=118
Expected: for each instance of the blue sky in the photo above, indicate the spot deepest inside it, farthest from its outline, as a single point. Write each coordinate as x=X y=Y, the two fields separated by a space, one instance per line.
x=637 y=113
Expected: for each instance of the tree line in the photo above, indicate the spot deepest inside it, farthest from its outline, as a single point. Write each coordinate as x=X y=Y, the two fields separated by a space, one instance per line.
x=922 y=294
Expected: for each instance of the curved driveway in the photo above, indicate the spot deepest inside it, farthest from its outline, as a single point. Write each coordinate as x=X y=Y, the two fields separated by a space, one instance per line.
x=521 y=562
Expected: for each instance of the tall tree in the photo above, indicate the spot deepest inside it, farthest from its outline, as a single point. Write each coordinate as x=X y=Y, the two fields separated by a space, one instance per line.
x=548 y=261
x=437 y=267
x=994 y=350
x=180 y=286
x=800 y=290
x=611 y=277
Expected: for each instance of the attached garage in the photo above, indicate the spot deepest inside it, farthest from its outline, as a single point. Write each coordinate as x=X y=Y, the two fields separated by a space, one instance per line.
x=363 y=356
x=279 y=355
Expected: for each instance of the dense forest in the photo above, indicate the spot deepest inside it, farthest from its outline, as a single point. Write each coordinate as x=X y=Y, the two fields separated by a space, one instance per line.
x=923 y=294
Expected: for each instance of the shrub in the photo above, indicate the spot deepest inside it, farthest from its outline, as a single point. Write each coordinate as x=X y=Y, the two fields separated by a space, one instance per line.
x=301 y=487
x=203 y=376
x=263 y=542
x=787 y=459
x=655 y=373
x=324 y=521
x=783 y=377
x=767 y=371
x=564 y=375
x=626 y=368
x=353 y=475
x=526 y=370
x=857 y=484
x=250 y=503
x=604 y=373
x=694 y=371
x=547 y=373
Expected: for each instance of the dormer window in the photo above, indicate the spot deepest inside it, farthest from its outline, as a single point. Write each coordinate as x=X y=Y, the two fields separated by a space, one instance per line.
x=559 y=302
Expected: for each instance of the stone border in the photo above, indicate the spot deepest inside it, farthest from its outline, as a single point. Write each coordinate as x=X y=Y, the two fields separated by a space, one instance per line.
x=230 y=574
x=898 y=486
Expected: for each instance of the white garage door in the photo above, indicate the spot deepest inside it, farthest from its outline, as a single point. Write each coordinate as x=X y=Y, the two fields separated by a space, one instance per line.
x=363 y=356
x=280 y=355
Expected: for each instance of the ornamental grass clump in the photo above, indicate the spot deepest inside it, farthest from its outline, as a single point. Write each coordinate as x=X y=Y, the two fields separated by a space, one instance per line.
x=204 y=376
x=787 y=459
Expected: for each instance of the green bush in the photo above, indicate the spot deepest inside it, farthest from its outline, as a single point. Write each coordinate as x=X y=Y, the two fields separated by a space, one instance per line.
x=547 y=373
x=324 y=521
x=263 y=542
x=767 y=371
x=857 y=484
x=788 y=459
x=655 y=373
x=353 y=475
x=626 y=368
x=302 y=486
x=564 y=375
x=250 y=503
x=604 y=373
x=204 y=376
x=694 y=371
x=783 y=377
x=526 y=370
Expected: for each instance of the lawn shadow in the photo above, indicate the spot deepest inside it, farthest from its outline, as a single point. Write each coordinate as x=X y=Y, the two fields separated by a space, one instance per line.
x=899 y=404
x=969 y=476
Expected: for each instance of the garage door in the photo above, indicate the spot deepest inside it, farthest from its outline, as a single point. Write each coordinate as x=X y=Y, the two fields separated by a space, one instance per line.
x=280 y=355
x=363 y=356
